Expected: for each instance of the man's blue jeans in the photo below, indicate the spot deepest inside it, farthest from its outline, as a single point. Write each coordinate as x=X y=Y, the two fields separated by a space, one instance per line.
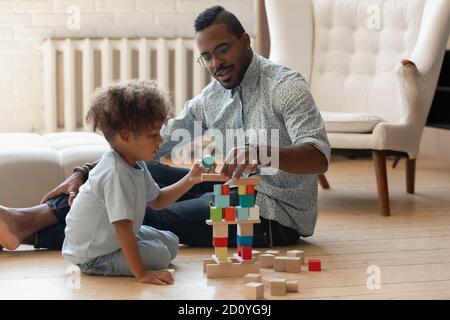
x=186 y=217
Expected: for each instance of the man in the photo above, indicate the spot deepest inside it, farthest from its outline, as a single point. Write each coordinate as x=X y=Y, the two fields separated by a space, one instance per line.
x=249 y=92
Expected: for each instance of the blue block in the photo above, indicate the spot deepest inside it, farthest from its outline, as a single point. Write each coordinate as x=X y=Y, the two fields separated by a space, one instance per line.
x=217 y=189
x=247 y=200
x=222 y=201
x=242 y=241
x=242 y=213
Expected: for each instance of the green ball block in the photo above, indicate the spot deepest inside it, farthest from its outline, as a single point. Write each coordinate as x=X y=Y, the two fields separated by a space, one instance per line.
x=208 y=161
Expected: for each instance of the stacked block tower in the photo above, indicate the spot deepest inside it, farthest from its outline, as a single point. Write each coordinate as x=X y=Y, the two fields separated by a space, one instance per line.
x=222 y=214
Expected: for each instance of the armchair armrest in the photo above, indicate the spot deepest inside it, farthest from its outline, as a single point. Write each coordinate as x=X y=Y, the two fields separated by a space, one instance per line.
x=432 y=38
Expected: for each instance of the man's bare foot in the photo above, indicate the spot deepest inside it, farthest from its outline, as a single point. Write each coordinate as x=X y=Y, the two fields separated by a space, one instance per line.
x=8 y=238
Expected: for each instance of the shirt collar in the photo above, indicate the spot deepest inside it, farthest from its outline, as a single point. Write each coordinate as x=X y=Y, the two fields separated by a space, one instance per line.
x=251 y=76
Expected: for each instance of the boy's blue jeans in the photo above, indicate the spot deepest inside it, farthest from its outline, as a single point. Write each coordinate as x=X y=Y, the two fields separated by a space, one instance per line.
x=157 y=248
x=185 y=218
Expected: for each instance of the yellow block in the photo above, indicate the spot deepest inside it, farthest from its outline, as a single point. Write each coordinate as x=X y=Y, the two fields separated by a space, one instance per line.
x=221 y=253
x=242 y=189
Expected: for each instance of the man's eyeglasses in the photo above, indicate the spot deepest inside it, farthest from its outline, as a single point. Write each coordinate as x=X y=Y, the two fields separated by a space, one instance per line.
x=220 y=52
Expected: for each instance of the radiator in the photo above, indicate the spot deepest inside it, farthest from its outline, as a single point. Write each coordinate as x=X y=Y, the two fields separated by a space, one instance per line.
x=73 y=68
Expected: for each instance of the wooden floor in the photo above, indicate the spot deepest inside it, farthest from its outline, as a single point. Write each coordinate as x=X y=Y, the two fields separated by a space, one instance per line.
x=411 y=249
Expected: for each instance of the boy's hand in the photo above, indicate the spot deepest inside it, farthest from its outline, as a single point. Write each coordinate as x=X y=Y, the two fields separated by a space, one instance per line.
x=196 y=172
x=161 y=278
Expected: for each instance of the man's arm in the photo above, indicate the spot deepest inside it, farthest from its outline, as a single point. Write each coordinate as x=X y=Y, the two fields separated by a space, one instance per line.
x=302 y=159
x=69 y=186
x=310 y=150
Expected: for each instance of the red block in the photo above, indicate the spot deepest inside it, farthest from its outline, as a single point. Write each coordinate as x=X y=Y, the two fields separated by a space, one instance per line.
x=314 y=265
x=250 y=189
x=220 y=242
x=225 y=189
x=230 y=214
x=245 y=252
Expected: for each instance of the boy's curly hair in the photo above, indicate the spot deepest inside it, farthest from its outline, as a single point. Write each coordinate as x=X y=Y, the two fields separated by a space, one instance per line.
x=131 y=105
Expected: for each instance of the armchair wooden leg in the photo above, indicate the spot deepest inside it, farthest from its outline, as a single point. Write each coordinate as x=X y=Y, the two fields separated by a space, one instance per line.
x=379 y=160
x=410 y=175
x=323 y=181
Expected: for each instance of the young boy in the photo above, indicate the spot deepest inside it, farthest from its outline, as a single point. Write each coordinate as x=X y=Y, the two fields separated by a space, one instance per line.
x=104 y=232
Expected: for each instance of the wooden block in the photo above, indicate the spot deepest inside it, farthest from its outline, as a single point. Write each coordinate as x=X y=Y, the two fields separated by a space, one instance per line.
x=225 y=189
x=221 y=253
x=256 y=254
x=295 y=253
x=314 y=265
x=230 y=214
x=215 y=213
x=237 y=258
x=293 y=264
x=221 y=201
x=266 y=260
x=207 y=261
x=220 y=231
x=224 y=262
x=223 y=222
x=250 y=189
x=252 y=277
x=220 y=242
x=254 y=291
x=213 y=177
x=273 y=252
x=292 y=286
x=279 y=264
x=172 y=273
x=217 y=189
x=242 y=190
x=245 y=181
x=278 y=287
x=245 y=229
x=233 y=270
x=241 y=213
x=246 y=201
x=253 y=213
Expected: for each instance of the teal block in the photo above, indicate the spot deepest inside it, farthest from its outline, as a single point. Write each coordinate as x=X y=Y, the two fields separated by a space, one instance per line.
x=247 y=200
x=242 y=241
x=221 y=201
x=241 y=213
x=215 y=213
x=217 y=189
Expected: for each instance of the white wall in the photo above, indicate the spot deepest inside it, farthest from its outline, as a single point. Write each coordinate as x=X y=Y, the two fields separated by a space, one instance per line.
x=24 y=24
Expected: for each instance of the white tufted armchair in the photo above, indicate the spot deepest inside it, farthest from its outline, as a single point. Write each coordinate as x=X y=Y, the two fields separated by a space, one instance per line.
x=372 y=66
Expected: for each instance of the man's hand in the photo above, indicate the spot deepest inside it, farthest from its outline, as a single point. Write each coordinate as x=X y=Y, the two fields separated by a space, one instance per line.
x=161 y=278
x=69 y=186
x=238 y=160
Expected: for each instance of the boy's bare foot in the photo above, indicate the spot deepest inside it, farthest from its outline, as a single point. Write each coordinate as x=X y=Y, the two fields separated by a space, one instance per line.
x=8 y=238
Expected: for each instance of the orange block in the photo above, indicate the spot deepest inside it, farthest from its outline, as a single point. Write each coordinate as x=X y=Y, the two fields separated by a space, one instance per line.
x=230 y=214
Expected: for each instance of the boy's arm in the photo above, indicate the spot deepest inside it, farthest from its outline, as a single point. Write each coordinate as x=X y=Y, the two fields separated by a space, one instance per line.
x=170 y=194
x=128 y=243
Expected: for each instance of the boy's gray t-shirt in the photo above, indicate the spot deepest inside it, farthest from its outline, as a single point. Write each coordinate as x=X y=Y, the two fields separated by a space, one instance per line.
x=114 y=191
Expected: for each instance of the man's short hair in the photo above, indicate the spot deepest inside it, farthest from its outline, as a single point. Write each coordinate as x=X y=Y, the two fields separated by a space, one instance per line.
x=218 y=14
